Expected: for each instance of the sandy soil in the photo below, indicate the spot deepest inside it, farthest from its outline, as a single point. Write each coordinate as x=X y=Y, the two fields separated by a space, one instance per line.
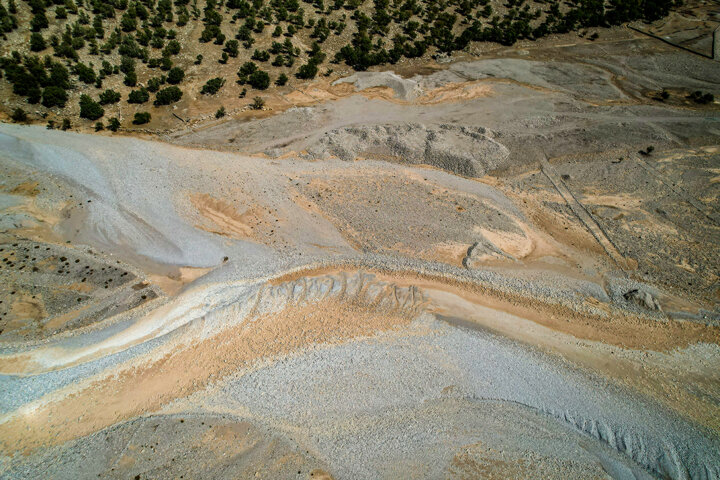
x=474 y=269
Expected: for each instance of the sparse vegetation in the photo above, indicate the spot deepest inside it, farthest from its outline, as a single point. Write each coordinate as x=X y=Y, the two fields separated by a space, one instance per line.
x=701 y=98
x=146 y=37
x=109 y=96
x=19 y=115
x=113 y=124
x=647 y=152
x=220 y=112
x=258 y=103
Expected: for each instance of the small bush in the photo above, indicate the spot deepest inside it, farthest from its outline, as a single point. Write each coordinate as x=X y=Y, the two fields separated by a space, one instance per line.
x=65 y=124
x=168 y=95
x=258 y=103
x=138 y=96
x=53 y=96
x=141 y=118
x=99 y=126
x=90 y=109
x=109 y=96
x=37 y=42
x=281 y=80
x=130 y=79
x=153 y=84
x=231 y=47
x=247 y=69
x=19 y=115
x=261 y=55
x=85 y=74
x=220 y=112
x=259 y=79
x=701 y=98
x=113 y=124
x=175 y=75
x=212 y=86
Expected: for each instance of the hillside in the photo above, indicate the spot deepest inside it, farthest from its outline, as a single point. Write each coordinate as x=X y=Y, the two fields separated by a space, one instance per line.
x=82 y=63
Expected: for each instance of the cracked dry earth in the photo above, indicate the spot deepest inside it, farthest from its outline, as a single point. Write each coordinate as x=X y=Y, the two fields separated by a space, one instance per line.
x=494 y=284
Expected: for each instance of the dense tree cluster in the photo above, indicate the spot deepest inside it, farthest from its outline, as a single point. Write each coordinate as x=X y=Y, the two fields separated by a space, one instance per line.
x=32 y=78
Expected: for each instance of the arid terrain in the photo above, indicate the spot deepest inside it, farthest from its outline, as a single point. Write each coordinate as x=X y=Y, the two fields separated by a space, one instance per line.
x=502 y=263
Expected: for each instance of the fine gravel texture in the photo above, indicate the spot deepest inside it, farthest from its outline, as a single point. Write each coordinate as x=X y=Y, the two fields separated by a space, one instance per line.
x=467 y=152
x=402 y=377
x=481 y=270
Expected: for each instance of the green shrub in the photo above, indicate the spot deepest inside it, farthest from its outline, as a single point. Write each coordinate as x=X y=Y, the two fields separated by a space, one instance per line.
x=281 y=80
x=307 y=71
x=19 y=115
x=212 y=86
x=109 y=96
x=231 y=47
x=141 y=118
x=53 y=96
x=258 y=103
x=38 y=22
x=37 y=42
x=259 y=79
x=168 y=95
x=85 y=74
x=139 y=96
x=130 y=79
x=172 y=48
x=127 y=64
x=175 y=75
x=247 y=69
x=220 y=112
x=154 y=84
x=90 y=109
x=261 y=55
x=113 y=124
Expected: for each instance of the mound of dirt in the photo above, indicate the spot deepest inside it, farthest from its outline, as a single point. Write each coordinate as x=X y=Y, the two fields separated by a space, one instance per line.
x=403 y=89
x=462 y=150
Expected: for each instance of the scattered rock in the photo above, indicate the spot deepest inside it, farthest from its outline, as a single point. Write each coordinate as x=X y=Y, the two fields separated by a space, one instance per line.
x=643 y=299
